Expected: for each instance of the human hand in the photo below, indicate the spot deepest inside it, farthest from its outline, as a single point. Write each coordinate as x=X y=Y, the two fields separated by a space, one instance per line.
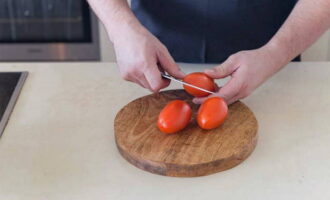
x=248 y=70
x=141 y=57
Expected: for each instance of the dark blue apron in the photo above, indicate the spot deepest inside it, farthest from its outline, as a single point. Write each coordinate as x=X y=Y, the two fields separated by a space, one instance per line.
x=208 y=31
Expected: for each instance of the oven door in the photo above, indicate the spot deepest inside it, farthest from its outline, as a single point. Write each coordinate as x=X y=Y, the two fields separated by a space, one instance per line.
x=48 y=30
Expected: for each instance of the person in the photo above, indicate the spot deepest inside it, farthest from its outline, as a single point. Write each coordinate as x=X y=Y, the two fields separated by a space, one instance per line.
x=252 y=39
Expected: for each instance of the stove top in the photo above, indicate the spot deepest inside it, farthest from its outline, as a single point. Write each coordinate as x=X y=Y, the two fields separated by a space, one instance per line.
x=11 y=84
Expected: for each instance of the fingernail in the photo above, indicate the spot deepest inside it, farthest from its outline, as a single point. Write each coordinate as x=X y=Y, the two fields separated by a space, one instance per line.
x=196 y=101
x=182 y=73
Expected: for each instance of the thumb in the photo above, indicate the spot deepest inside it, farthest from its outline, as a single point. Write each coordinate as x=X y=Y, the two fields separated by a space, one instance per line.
x=168 y=64
x=230 y=90
x=223 y=70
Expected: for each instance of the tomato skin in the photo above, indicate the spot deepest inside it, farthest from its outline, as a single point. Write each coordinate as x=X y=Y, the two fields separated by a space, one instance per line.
x=174 y=117
x=212 y=113
x=201 y=80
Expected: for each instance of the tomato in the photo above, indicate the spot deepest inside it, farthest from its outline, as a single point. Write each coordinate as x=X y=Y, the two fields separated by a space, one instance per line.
x=174 y=117
x=212 y=113
x=201 y=80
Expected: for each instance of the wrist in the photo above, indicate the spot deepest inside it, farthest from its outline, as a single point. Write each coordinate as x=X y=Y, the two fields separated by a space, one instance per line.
x=280 y=52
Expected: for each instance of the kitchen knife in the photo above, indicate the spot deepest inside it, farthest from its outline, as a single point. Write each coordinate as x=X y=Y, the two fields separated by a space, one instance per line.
x=184 y=83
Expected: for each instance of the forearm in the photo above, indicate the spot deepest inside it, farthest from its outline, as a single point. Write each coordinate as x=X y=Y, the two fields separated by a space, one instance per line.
x=306 y=23
x=115 y=15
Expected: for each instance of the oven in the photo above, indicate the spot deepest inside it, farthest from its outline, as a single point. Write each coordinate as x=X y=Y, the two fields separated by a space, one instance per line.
x=48 y=30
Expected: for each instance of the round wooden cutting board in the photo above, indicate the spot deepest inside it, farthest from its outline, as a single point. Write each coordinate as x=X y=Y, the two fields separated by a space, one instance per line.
x=190 y=152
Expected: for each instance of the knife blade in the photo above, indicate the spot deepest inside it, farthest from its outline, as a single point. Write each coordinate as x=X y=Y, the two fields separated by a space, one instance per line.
x=184 y=83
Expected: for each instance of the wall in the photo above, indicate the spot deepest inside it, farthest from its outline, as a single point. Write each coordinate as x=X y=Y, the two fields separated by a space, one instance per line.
x=319 y=51
x=107 y=51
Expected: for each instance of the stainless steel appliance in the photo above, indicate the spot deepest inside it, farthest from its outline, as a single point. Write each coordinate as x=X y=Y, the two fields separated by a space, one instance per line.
x=48 y=30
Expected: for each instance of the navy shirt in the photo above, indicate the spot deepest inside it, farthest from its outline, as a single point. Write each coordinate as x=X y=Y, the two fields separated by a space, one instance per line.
x=208 y=31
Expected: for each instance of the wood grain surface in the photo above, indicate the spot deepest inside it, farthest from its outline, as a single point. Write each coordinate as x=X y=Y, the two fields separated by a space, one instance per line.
x=190 y=152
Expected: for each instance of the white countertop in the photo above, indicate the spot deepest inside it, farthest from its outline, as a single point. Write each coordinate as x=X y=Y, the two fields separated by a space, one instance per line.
x=59 y=142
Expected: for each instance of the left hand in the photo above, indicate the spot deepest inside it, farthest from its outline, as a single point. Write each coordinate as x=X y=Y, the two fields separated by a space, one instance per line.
x=248 y=70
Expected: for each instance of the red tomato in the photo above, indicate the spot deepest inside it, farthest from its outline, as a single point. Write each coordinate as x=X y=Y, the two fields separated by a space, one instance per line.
x=174 y=117
x=201 y=80
x=212 y=113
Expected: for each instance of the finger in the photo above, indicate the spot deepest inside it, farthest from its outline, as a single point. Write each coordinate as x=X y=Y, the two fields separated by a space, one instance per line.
x=236 y=98
x=200 y=100
x=233 y=100
x=230 y=90
x=135 y=77
x=146 y=82
x=155 y=80
x=141 y=80
x=223 y=70
x=216 y=87
x=168 y=64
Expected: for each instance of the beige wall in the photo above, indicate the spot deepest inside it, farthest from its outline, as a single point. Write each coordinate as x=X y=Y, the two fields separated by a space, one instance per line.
x=320 y=51
x=107 y=51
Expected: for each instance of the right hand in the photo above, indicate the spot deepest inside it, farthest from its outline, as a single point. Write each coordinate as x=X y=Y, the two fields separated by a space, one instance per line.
x=141 y=57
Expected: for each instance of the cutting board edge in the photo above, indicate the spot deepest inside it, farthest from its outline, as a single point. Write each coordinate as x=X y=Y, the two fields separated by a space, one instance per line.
x=177 y=170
